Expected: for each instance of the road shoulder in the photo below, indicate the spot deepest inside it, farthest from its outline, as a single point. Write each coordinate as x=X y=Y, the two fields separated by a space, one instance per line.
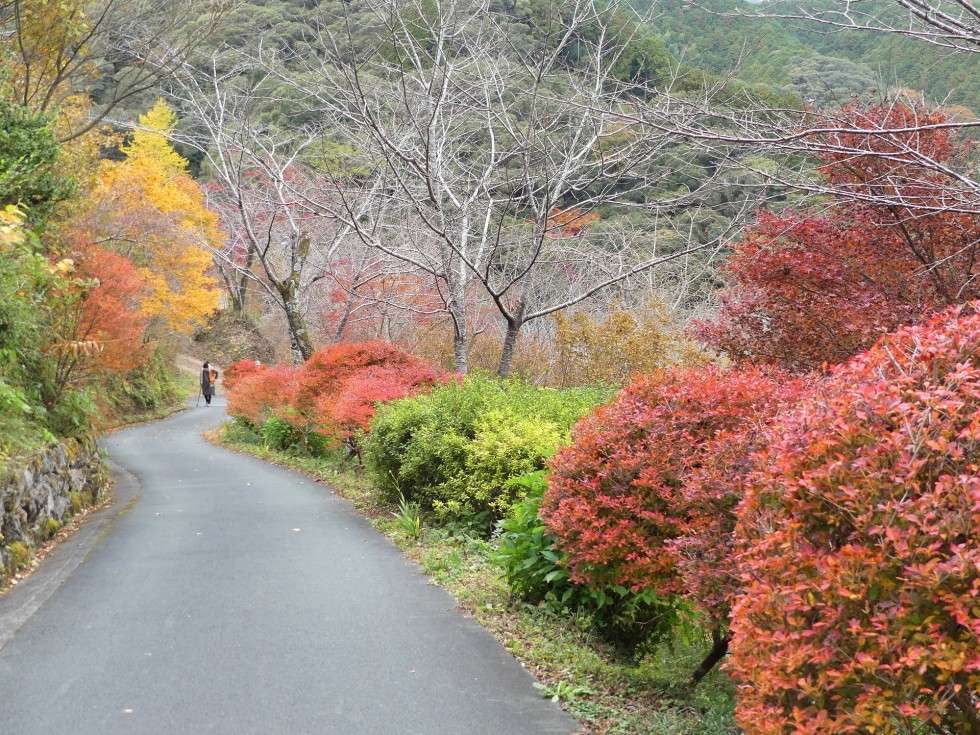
x=19 y=603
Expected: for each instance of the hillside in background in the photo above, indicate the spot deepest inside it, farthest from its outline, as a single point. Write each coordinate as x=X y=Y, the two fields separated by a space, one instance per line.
x=821 y=67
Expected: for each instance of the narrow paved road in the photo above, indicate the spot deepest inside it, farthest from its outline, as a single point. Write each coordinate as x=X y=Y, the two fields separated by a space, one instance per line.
x=231 y=596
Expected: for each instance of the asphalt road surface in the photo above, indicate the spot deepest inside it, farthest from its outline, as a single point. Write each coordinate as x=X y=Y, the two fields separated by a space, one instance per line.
x=221 y=594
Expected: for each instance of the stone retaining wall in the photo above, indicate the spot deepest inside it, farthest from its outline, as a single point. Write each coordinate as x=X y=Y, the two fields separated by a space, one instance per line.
x=38 y=494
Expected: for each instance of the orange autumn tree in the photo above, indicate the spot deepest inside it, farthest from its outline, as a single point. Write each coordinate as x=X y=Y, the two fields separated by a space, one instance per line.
x=98 y=329
x=569 y=222
x=153 y=212
x=109 y=312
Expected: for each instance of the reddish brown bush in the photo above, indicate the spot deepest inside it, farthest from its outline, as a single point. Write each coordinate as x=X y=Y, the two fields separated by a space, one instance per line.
x=808 y=287
x=861 y=529
x=238 y=370
x=645 y=496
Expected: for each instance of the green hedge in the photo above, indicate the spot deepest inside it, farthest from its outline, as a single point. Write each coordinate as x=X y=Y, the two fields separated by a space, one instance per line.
x=534 y=568
x=454 y=449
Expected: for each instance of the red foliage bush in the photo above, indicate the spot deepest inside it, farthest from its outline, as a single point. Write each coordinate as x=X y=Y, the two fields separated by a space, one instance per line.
x=861 y=529
x=328 y=369
x=807 y=288
x=263 y=394
x=353 y=409
x=334 y=393
x=238 y=370
x=862 y=155
x=645 y=495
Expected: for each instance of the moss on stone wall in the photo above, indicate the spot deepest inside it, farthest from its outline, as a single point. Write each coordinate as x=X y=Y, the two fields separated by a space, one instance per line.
x=42 y=491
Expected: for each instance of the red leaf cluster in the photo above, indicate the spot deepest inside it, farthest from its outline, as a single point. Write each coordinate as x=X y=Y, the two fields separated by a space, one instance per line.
x=237 y=370
x=109 y=313
x=353 y=409
x=261 y=393
x=646 y=494
x=807 y=288
x=329 y=368
x=334 y=393
x=883 y=147
x=861 y=534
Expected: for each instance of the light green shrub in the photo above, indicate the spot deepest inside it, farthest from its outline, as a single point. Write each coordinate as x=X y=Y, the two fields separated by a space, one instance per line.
x=242 y=431
x=50 y=528
x=533 y=565
x=278 y=434
x=506 y=445
x=20 y=555
x=454 y=449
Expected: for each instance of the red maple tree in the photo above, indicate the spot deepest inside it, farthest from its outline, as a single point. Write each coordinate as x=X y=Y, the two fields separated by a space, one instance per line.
x=808 y=287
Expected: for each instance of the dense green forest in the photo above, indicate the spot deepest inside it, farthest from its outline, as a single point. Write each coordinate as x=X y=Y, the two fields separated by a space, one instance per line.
x=822 y=66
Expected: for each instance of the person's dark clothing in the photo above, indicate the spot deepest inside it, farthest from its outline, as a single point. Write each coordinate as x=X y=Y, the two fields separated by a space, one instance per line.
x=209 y=376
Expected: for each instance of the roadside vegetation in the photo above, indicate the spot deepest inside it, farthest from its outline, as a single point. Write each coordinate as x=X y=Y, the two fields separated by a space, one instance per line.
x=626 y=545
x=610 y=689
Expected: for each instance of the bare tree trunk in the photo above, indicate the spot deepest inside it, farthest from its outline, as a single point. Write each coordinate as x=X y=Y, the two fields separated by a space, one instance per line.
x=300 y=343
x=717 y=653
x=514 y=323
x=457 y=310
x=345 y=317
x=240 y=287
x=507 y=352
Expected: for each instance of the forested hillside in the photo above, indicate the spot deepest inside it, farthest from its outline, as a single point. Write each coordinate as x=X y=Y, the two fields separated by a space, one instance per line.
x=821 y=66
x=824 y=66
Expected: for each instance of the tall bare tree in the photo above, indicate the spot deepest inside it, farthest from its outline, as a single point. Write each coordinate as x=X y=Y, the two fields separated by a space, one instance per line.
x=270 y=197
x=502 y=147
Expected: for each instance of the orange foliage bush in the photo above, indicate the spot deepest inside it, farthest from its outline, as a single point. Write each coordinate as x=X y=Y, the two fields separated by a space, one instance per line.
x=238 y=370
x=262 y=394
x=619 y=346
x=861 y=529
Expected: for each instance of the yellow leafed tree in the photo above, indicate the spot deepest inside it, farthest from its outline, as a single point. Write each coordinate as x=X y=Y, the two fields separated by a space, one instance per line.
x=42 y=44
x=619 y=346
x=153 y=212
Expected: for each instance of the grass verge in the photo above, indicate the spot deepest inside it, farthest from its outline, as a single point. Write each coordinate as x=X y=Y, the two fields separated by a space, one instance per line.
x=610 y=693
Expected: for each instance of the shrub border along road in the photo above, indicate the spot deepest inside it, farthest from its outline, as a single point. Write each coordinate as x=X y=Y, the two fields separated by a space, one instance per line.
x=609 y=694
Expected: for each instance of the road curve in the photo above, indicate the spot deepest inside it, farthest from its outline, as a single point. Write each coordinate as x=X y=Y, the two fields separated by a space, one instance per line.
x=236 y=597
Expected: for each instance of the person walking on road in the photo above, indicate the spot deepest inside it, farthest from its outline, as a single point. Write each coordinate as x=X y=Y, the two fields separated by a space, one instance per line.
x=209 y=378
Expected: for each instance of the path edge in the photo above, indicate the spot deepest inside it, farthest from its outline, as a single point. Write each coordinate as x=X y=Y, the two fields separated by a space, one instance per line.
x=19 y=603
